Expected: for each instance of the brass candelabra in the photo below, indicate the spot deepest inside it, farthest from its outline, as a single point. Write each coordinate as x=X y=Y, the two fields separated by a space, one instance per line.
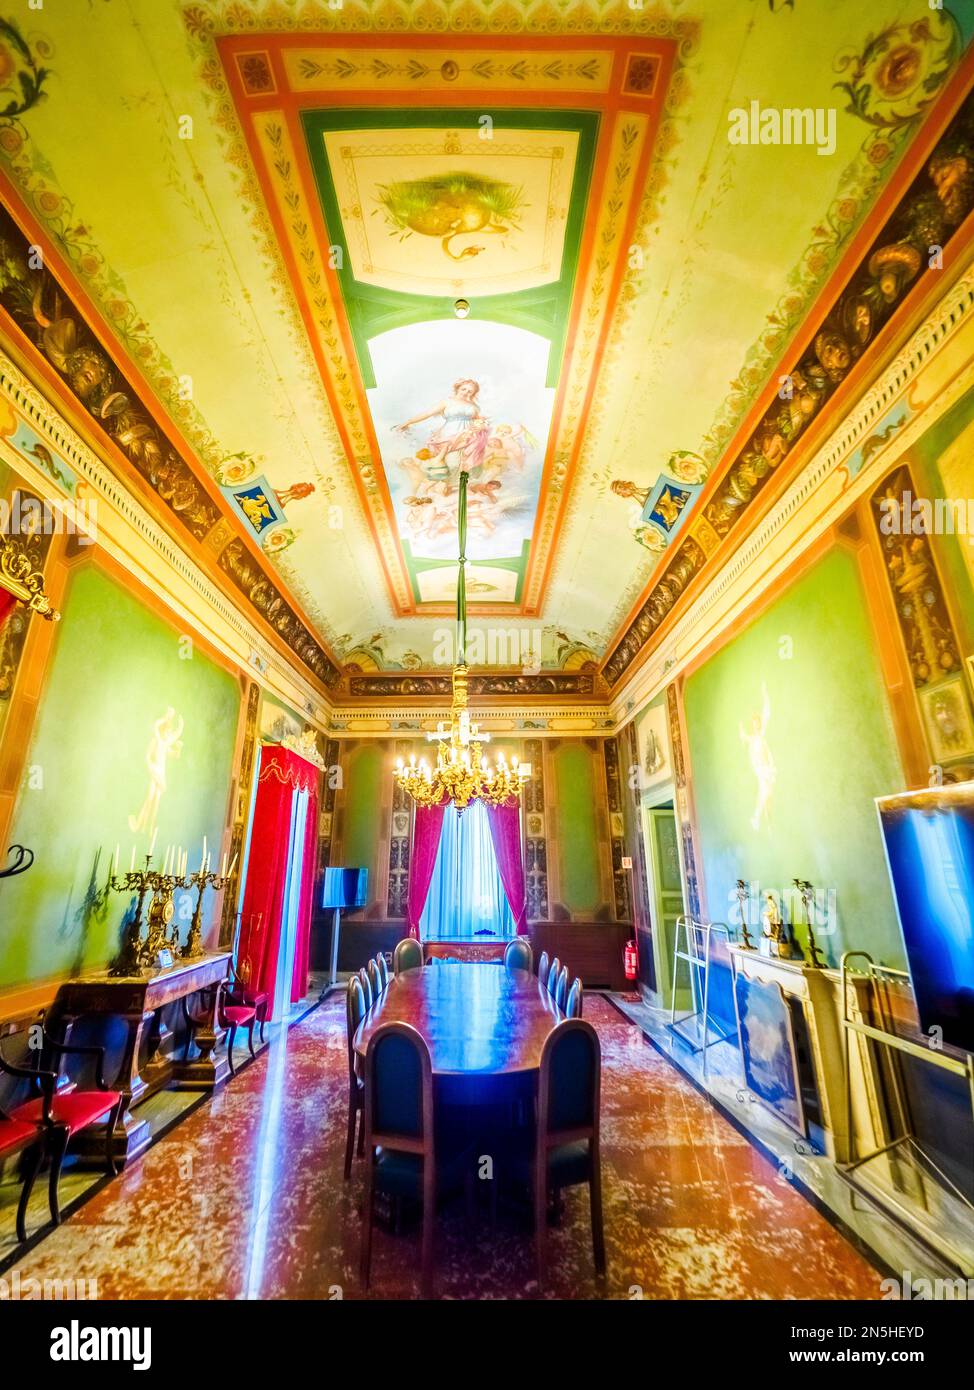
x=199 y=880
x=138 y=954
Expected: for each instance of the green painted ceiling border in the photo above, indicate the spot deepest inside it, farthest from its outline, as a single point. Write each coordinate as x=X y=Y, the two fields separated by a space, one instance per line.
x=544 y=310
x=416 y=567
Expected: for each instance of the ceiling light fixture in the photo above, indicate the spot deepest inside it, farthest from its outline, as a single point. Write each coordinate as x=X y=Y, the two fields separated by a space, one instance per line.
x=461 y=307
x=462 y=773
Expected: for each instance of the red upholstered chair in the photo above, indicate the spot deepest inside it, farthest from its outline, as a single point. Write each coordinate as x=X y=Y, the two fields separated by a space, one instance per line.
x=231 y=1013
x=61 y=1111
x=18 y=1135
x=241 y=993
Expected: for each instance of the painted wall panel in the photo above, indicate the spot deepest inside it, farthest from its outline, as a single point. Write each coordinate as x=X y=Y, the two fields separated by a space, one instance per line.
x=790 y=740
x=576 y=793
x=135 y=729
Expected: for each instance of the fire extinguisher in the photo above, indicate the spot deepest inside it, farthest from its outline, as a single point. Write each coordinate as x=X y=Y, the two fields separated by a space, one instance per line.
x=630 y=956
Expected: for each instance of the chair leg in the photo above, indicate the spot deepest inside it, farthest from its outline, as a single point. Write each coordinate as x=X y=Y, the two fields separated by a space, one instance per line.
x=365 y=1262
x=113 y=1115
x=59 y=1144
x=595 y=1200
x=429 y=1216
x=540 y=1214
x=250 y=1037
x=230 y=1038
x=361 y=1136
x=350 y=1137
x=35 y=1157
x=263 y=1020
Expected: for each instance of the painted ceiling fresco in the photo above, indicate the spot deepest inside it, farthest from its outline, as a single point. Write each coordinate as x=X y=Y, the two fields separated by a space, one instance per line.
x=285 y=202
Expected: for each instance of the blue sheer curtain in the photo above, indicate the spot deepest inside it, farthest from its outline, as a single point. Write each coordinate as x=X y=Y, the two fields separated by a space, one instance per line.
x=466 y=895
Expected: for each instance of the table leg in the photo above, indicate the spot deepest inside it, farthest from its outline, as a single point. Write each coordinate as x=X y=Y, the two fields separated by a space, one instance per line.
x=205 y=1072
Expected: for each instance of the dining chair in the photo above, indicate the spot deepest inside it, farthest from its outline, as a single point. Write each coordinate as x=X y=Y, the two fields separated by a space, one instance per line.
x=573 y=1005
x=553 y=970
x=61 y=1110
x=566 y=1149
x=408 y=955
x=16 y=1136
x=518 y=954
x=355 y=1011
x=242 y=991
x=560 y=991
x=375 y=980
x=543 y=965
x=363 y=975
x=400 y=1153
x=383 y=965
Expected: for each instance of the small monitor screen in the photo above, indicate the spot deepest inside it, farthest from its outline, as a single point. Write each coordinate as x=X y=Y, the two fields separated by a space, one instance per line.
x=929 y=839
x=344 y=888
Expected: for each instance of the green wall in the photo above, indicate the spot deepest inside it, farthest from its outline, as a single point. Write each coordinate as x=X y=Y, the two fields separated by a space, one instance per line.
x=832 y=742
x=575 y=795
x=115 y=671
x=364 y=771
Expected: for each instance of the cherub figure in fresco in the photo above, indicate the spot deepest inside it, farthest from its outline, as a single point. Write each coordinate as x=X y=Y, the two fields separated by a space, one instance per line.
x=762 y=759
x=165 y=743
x=505 y=451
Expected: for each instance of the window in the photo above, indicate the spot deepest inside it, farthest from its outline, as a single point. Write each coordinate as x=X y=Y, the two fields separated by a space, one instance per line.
x=466 y=896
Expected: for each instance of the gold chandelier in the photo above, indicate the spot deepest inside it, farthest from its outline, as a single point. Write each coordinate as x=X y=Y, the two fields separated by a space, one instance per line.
x=462 y=773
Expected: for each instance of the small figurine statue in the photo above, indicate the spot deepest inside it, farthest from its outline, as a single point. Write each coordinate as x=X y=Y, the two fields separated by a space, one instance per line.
x=774 y=941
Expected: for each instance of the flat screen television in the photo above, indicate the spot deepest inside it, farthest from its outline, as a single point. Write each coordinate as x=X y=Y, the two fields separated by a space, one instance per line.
x=929 y=840
x=344 y=888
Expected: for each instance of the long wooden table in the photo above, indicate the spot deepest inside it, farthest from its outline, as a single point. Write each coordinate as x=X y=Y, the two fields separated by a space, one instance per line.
x=485 y=1025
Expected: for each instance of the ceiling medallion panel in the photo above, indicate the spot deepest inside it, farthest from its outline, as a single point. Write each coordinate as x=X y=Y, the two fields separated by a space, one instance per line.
x=519 y=207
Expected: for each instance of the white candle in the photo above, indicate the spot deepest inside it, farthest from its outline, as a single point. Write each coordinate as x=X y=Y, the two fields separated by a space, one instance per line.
x=223 y=870
x=115 y=862
x=203 y=857
x=132 y=864
x=233 y=864
x=152 y=842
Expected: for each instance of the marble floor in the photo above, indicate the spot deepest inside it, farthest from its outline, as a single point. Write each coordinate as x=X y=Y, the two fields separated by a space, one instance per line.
x=245 y=1199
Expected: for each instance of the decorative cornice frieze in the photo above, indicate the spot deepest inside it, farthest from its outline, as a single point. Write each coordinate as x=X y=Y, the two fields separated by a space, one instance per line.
x=57 y=329
x=32 y=406
x=908 y=249
x=794 y=524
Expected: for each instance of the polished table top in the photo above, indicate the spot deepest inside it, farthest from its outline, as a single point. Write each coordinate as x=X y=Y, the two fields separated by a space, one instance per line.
x=478 y=1019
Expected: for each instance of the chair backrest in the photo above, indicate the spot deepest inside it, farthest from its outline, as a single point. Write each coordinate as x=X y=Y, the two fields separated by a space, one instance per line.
x=518 y=954
x=543 y=964
x=553 y=970
x=569 y=1084
x=355 y=1011
x=363 y=975
x=375 y=980
x=573 y=1005
x=560 y=992
x=408 y=955
x=399 y=1090
x=383 y=965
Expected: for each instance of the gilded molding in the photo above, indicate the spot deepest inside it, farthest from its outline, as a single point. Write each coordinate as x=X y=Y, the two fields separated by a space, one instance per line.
x=904 y=252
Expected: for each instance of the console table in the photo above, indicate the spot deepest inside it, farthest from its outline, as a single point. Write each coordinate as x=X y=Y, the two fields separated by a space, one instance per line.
x=138 y=1000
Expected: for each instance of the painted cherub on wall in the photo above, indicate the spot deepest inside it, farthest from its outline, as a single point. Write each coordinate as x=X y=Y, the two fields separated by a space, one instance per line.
x=165 y=743
x=762 y=760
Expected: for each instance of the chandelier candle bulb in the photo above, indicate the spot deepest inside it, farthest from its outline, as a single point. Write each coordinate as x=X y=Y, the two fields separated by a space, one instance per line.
x=152 y=842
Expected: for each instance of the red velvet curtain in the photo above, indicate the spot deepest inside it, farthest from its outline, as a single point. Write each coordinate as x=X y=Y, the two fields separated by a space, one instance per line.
x=281 y=774
x=426 y=841
x=7 y=602
x=505 y=831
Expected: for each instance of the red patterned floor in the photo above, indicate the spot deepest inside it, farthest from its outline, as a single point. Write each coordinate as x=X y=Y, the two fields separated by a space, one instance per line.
x=245 y=1198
